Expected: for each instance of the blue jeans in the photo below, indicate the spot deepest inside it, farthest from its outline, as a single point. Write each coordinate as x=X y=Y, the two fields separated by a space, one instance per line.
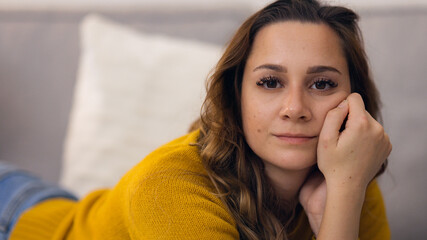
x=19 y=190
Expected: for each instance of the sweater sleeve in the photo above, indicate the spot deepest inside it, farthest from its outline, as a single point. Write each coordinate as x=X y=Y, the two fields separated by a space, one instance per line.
x=171 y=205
x=169 y=196
x=373 y=219
x=166 y=196
x=173 y=198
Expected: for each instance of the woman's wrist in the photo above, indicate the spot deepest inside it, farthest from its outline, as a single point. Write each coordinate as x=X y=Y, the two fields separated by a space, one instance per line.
x=342 y=212
x=346 y=184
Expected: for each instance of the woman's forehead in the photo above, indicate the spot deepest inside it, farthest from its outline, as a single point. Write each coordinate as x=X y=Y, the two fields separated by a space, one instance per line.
x=291 y=41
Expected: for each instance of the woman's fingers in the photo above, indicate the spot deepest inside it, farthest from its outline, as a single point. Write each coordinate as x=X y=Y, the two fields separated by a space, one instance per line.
x=358 y=117
x=358 y=151
x=356 y=105
x=333 y=121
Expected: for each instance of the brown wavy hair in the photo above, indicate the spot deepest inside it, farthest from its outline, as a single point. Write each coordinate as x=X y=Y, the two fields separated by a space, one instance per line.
x=236 y=172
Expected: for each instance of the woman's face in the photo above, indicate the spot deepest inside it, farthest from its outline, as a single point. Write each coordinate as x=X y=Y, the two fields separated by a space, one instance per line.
x=295 y=73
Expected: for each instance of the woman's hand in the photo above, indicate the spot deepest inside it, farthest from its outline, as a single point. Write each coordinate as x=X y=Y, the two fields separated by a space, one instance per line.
x=354 y=156
x=312 y=197
x=348 y=160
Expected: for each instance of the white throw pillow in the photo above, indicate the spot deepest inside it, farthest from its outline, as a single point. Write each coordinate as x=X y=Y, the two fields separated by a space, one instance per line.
x=134 y=92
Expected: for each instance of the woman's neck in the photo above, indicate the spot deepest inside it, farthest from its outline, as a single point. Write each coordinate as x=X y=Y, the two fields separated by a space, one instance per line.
x=286 y=182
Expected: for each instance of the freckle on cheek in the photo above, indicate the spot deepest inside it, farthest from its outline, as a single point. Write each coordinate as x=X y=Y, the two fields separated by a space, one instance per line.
x=258 y=130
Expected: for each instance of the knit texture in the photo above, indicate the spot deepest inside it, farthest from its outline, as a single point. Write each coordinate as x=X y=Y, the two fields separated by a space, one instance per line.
x=168 y=195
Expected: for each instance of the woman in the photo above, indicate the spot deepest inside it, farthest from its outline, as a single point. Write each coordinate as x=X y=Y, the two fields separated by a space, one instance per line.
x=284 y=148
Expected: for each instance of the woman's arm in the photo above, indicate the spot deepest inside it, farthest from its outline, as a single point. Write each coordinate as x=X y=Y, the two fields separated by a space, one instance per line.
x=373 y=219
x=348 y=160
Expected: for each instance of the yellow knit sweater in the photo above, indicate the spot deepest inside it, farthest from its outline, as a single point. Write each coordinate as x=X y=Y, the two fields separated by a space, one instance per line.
x=166 y=196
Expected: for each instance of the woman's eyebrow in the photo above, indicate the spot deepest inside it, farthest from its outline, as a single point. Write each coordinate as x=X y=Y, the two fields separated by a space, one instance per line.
x=321 y=69
x=310 y=70
x=274 y=67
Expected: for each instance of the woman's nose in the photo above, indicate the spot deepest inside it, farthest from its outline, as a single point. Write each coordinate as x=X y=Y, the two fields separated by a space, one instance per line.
x=295 y=106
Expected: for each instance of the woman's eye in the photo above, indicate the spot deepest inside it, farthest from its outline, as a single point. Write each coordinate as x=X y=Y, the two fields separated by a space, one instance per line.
x=269 y=83
x=323 y=84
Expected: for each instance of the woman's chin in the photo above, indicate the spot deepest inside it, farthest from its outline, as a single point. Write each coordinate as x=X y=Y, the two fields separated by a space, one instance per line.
x=294 y=160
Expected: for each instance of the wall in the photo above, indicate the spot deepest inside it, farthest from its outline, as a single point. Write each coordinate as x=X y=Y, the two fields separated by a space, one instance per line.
x=79 y=4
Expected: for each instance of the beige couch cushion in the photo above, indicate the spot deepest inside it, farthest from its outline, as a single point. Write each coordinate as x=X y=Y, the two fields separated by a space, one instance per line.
x=134 y=92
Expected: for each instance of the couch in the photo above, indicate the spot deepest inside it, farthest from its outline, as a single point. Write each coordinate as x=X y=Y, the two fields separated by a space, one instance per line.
x=42 y=64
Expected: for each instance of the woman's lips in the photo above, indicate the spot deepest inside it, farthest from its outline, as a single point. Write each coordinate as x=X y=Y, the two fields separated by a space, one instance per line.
x=295 y=138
